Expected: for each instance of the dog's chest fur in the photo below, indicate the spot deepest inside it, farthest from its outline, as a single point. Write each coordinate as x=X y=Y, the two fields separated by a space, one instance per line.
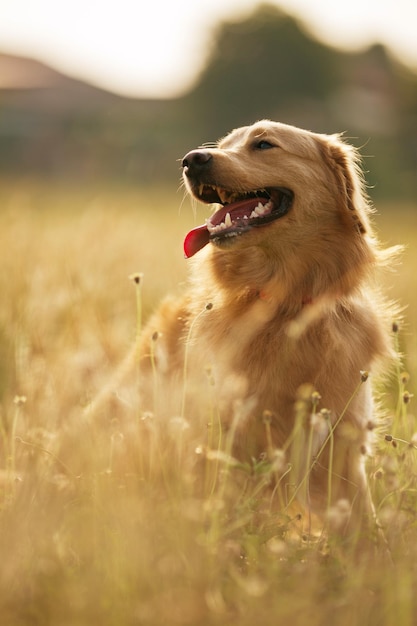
x=225 y=336
x=232 y=348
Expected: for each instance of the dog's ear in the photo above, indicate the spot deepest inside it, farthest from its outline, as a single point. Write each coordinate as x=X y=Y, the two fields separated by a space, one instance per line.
x=343 y=160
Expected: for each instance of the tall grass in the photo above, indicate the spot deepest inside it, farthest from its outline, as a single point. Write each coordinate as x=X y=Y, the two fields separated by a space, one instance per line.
x=108 y=516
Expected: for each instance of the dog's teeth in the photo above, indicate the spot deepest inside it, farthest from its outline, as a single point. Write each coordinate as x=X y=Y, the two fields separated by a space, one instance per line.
x=223 y=195
x=260 y=210
x=215 y=228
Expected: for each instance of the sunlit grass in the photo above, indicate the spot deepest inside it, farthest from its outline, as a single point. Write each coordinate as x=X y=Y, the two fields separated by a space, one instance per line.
x=108 y=516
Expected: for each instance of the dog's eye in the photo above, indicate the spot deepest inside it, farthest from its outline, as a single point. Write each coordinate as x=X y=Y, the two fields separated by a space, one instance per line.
x=263 y=145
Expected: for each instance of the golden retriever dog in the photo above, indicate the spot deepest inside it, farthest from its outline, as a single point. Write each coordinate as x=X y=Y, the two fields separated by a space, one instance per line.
x=280 y=313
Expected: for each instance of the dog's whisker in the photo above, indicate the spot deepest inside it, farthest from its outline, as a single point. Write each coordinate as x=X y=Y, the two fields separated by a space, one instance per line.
x=182 y=187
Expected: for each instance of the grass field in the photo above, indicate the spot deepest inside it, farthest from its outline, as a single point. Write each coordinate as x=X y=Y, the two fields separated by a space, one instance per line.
x=103 y=518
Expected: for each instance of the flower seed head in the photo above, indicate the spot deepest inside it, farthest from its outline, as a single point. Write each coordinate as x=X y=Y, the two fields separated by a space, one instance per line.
x=315 y=398
x=405 y=377
x=379 y=473
x=267 y=417
x=407 y=397
x=19 y=400
x=137 y=277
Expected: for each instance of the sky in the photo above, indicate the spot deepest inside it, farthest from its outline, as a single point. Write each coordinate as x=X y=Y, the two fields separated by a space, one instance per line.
x=155 y=48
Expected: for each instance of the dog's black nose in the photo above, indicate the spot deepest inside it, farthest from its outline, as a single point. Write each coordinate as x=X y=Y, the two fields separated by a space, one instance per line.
x=196 y=160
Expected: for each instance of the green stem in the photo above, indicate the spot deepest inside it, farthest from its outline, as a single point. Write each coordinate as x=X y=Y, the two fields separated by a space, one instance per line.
x=326 y=441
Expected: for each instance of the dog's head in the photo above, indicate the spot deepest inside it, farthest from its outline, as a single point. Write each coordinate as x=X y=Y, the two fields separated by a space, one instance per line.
x=292 y=193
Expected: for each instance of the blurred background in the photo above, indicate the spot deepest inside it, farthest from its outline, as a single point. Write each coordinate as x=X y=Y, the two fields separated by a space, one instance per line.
x=102 y=520
x=93 y=91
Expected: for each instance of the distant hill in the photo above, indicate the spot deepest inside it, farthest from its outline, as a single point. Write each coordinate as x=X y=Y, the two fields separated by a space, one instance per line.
x=263 y=66
x=27 y=82
x=56 y=125
x=23 y=73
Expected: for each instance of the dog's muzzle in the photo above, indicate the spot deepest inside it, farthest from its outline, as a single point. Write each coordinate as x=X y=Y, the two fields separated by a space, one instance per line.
x=239 y=211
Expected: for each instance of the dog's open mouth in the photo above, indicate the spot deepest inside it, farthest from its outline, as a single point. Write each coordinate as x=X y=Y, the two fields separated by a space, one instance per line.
x=237 y=214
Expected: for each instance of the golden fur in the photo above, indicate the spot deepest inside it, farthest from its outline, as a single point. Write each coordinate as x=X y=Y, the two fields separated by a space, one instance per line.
x=284 y=305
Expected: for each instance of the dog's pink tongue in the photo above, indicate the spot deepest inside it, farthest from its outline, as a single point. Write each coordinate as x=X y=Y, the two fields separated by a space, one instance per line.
x=199 y=236
x=196 y=239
